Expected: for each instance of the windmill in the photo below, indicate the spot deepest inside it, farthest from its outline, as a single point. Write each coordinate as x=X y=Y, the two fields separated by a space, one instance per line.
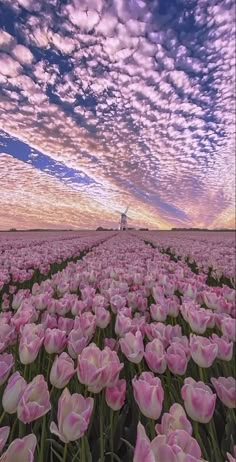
x=123 y=219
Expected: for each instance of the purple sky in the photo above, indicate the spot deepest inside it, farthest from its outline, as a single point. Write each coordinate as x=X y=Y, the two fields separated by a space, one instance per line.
x=105 y=104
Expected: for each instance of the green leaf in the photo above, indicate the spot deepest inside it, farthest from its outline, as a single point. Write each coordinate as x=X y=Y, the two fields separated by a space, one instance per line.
x=56 y=444
x=128 y=443
x=57 y=455
x=114 y=455
x=87 y=449
x=120 y=428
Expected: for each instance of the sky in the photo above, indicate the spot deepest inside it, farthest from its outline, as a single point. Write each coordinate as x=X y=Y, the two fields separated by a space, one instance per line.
x=106 y=104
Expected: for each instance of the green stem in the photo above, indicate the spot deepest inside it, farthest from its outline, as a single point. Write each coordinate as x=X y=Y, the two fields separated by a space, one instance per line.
x=21 y=429
x=199 y=439
x=13 y=430
x=152 y=428
x=65 y=452
x=2 y=417
x=213 y=435
x=25 y=372
x=42 y=456
x=139 y=368
x=101 y=425
x=82 y=450
x=51 y=391
x=49 y=366
x=232 y=414
x=98 y=336
x=202 y=375
x=111 y=434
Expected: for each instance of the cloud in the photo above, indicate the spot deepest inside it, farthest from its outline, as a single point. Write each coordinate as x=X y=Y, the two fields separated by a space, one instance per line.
x=136 y=96
x=6 y=40
x=8 y=66
x=22 y=54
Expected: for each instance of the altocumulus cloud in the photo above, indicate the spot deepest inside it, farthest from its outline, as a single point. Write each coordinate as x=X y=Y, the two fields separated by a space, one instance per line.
x=118 y=102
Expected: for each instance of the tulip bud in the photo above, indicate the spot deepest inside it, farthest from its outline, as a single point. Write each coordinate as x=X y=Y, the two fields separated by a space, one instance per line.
x=115 y=396
x=62 y=370
x=73 y=416
x=13 y=393
x=199 y=401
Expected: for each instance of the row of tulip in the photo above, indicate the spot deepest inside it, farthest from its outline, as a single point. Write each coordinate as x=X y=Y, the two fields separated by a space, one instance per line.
x=124 y=355
x=212 y=253
x=24 y=261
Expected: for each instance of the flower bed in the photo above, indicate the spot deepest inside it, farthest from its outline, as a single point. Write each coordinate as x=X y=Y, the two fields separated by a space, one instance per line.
x=124 y=355
x=212 y=253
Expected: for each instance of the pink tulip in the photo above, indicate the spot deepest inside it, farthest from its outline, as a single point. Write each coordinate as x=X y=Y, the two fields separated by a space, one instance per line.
x=173 y=307
x=126 y=312
x=21 y=450
x=98 y=368
x=76 y=343
x=111 y=360
x=226 y=390
x=198 y=320
x=62 y=370
x=184 y=342
x=24 y=316
x=199 y=401
x=88 y=292
x=4 y=433
x=228 y=328
x=178 y=446
x=78 y=307
x=32 y=329
x=132 y=347
x=228 y=293
x=65 y=324
x=62 y=288
x=176 y=359
x=73 y=416
x=172 y=332
x=49 y=321
x=85 y=324
x=103 y=317
x=122 y=325
x=115 y=396
x=148 y=394
x=211 y=300
x=225 y=347
x=54 y=340
x=62 y=307
x=8 y=335
x=99 y=301
x=158 y=313
x=17 y=300
x=111 y=343
x=175 y=419
x=143 y=451
x=41 y=301
x=6 y=363
x=34 y=402
x=155 y=356
x=230 y=457
x=156 y=330
x=117 y=302
x=202 y=350
x=13 y=393
x=29 y=348
x=138 y=324
x=158 y=294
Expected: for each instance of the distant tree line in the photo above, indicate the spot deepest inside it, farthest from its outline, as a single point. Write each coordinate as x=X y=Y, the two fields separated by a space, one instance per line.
x=201 y=229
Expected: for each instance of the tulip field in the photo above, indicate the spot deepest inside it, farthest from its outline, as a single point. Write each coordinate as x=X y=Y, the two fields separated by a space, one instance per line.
x=117 y=347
